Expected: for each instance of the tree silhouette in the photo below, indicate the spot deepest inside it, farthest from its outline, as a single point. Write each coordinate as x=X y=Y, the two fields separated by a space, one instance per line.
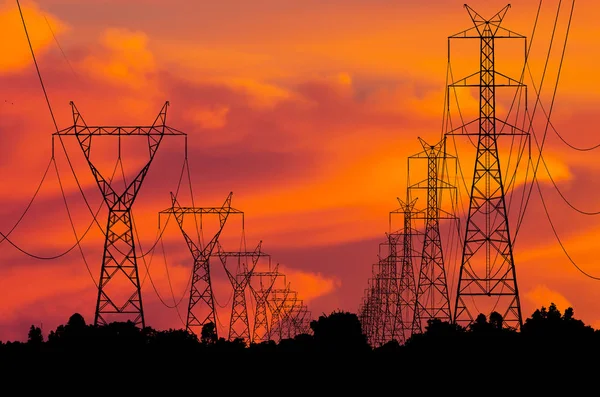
x=339 y=331
x=35 y=337
x=208 y=335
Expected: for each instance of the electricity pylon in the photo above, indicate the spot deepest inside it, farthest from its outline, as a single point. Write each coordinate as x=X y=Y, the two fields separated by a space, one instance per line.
x=261 y=331
x=119 y=290
x=370 y=317
x=239 y=326
x=201 y=306
x=487 y=282
x=277 y=301
x=432 y=300
x=388 y=287
x=407 y=289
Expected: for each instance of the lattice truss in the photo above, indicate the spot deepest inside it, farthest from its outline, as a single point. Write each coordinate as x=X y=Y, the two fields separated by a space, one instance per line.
x=263 y=305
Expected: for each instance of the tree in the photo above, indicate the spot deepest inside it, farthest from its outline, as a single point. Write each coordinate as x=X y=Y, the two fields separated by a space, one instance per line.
x=208 y=335
x=339 y=331
x=35 y=336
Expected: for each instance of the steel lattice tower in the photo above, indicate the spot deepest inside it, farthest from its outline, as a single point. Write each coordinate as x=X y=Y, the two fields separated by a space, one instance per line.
x=388 y=287
x=487 y=280
x=432 y=299
x=278 y=302
x=261 y=331
x=119 y=271
x=201 y=293
x=387 y=311
x=407 y=288
x=288 y=310
x=239 y=281
x=370 y=310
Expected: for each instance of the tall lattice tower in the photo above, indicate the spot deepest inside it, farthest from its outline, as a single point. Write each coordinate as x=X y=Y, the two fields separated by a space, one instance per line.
x=119 y=289
x=389 y=322
x=261 y=284
x=239 y=325
x=432 y=300
x=487 y=281
x=405 y=258
x=201 y=305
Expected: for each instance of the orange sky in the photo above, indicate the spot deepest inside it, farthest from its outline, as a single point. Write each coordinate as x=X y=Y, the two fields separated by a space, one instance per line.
x=307 y=111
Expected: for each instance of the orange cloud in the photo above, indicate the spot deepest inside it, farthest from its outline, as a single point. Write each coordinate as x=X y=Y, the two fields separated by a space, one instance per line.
x=214 y=117
x=309 y=285
x=126 y=60
x=541 y=295
x=40 y=27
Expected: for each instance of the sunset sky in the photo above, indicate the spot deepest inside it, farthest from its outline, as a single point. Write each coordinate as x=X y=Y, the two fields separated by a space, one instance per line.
x=306 y=111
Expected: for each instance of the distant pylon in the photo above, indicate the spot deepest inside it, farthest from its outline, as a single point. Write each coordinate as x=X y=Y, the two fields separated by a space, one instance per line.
x=432 y=299
x=407 y=288
x=239 y=326
x=390 y=323
x=370 y=313
x=278 y=302
x=201 y=306
x=487 y=281
x=261 y=331
x=119 y=290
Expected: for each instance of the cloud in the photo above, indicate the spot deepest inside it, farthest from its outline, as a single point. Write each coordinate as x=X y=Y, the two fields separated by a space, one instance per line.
x=125 y=59
x=40 y=27
x=541 y=295
x=309 y=286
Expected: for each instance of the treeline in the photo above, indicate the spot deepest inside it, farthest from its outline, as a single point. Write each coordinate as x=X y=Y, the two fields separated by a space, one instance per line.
x=548 y=339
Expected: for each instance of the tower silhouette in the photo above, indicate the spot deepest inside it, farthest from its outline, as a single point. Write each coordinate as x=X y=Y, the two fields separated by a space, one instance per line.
x=119 y=290
x=487 y=280
x=432 y=300
x=201 y=306
x=239 y=326
x=407 y=287
x=261 y=332
x=389 y=324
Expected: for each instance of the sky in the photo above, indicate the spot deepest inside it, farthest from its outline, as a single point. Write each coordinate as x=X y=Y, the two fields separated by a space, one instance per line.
x=307 y=111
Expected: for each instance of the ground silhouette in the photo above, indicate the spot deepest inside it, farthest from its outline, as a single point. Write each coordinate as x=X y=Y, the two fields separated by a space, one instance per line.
x=549 y=342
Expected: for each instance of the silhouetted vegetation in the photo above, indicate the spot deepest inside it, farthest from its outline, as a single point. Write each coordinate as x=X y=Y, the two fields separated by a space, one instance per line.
x=548 y=338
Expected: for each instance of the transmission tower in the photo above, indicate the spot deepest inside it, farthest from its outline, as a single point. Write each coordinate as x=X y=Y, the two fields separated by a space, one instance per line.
x=390 y=323
x=288 y=312
x=387 y=312
x=266 y=281
x=278 y=302
x=303 y=321
x=372 y=308
x=296 y=317
x=369 y=313
x=239 y=326
x=487 y=280
x=407 y=286
x=201 y=293
x=119 y=290
x=432 y=299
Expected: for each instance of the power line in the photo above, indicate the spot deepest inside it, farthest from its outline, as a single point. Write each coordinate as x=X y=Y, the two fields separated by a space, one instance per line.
x=531 y=117
x=60 y=47
x=36 y=67
x=558 y=238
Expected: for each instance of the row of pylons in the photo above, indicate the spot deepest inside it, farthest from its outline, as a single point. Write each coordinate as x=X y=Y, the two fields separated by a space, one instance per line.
x=408 y=286
x=279 y=312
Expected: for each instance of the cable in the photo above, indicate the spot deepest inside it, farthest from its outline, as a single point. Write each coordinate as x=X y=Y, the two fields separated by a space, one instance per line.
x=78 y=239
x=558 y=238
x=53 y=120
x=6 y=235
x=36 y=66
x=73 y=227
x=519 y=222
x=59 y=47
